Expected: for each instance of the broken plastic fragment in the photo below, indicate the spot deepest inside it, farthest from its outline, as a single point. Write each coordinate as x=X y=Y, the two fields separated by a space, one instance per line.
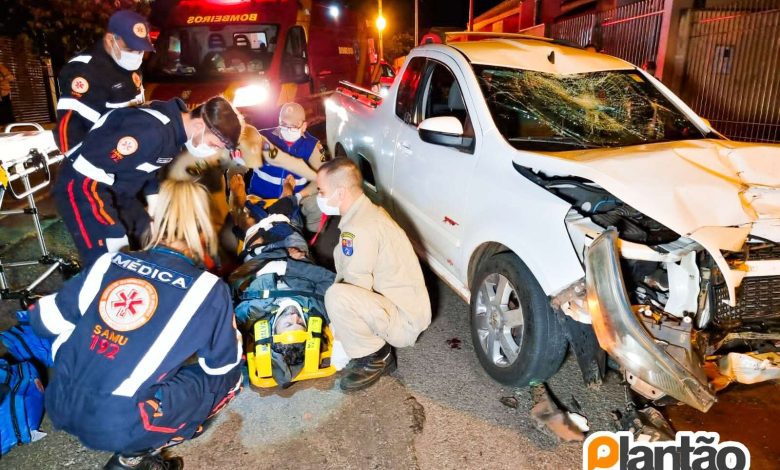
x=546 y=414
x=750 y=368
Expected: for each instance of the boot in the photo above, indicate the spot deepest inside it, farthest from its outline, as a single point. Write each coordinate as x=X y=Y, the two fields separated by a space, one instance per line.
x=144 y=462
x=364 y=371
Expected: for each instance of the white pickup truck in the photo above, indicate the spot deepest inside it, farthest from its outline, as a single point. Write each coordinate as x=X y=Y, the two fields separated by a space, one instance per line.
x=572 y=199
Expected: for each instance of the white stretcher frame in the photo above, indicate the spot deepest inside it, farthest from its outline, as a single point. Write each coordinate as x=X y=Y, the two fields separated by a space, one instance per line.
x=20 y=166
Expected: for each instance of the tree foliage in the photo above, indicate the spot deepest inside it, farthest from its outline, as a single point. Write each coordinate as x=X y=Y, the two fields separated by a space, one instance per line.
x=399 y=45
x=62 y=27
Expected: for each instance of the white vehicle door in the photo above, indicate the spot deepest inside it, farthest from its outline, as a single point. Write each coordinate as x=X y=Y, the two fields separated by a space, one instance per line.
x=431 y=181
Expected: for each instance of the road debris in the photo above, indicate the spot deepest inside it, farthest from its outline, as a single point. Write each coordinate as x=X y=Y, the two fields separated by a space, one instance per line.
x=647 y=424
x=511 y=402
x=548 y=416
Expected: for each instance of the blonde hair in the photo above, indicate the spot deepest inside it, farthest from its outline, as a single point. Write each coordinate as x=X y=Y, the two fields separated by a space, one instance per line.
x=182 y=216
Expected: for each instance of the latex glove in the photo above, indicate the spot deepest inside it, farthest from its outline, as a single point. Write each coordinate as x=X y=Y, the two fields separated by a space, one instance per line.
x=278 y=267
x=151 y=203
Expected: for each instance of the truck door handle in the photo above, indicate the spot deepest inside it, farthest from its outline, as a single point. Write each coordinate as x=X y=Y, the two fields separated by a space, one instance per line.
x=405 y=147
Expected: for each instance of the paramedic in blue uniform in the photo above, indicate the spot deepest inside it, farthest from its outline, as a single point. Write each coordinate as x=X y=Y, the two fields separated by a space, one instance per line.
x=291 y=137
x=102 y=78
x=145 y=344
x=119 y=159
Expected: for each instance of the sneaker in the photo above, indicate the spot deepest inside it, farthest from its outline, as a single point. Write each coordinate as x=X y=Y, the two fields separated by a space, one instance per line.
x=144 y=462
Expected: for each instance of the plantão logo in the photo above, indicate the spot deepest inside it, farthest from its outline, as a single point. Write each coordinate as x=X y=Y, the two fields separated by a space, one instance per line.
x=689 y=451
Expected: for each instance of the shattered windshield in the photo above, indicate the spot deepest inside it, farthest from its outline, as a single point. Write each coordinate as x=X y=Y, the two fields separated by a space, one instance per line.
x=542 y=111
x=207 y=52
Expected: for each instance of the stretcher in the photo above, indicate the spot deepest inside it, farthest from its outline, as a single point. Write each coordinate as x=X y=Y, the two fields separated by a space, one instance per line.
x=316 y=363
x=23 y=156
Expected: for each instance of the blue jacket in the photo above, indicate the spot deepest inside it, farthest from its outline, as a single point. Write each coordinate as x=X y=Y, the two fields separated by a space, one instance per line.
x=267 y=180
x=92 y=84
x=123 y=326
x=127 y=146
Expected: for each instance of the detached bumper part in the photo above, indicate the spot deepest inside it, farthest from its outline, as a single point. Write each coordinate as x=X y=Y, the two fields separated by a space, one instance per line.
x=622 y=335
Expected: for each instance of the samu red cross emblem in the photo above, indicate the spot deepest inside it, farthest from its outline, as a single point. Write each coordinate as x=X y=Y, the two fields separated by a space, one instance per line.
x=127 y=303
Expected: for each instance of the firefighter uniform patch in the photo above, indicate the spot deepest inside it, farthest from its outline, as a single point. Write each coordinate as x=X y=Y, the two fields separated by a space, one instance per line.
x=127 y=145
x=347 y=240
x=79 y=85
x=127 y=304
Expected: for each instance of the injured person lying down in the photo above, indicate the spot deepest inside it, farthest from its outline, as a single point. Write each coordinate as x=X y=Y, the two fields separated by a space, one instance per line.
x=277 y=283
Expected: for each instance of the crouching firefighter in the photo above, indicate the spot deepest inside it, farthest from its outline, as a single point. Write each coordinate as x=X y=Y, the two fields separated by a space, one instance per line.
x=146 y=349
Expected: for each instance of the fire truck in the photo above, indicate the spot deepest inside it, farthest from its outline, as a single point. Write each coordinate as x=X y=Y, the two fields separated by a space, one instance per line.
x=259 y=54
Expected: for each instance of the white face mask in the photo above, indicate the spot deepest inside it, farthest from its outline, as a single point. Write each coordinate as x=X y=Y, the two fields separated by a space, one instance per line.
x=128 y=60
x=202 y=150
x=290 y=134
x=327 y=209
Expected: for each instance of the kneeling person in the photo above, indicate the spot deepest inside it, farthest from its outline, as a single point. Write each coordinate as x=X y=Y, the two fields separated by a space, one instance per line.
x=379 y=299
x=145 y=348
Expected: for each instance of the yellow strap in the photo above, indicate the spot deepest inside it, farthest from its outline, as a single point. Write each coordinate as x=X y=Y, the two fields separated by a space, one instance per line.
x=263 y=351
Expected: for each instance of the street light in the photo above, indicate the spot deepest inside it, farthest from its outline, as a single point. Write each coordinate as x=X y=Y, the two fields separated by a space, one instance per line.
x=381 y=23
x=334 y=11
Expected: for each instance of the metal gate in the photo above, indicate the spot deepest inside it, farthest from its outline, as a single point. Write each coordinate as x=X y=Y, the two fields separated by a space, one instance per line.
x=732 y=72
x=31 y=91
x=631 y=32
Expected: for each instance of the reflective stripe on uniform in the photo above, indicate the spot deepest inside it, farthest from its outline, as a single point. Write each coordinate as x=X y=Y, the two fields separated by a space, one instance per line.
x=101 y=121
x=147 y=167
x=75 y=105
x=84 y=59
x=162 y=117
x=275 y=180
x=51 y=317
x=93 y=282
x=138 y=99
x=83 y=166
x=226 y=368
x=169 y=335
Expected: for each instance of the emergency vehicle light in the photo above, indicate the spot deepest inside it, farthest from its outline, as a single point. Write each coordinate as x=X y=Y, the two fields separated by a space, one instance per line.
x=251 y=95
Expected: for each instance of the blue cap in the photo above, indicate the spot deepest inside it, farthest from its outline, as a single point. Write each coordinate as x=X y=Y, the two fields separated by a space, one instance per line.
x=132 y=28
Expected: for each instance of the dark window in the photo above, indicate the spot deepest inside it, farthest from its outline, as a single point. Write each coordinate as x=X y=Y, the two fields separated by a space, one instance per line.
x=295 y=67
x=443 y=96
x=407 y=90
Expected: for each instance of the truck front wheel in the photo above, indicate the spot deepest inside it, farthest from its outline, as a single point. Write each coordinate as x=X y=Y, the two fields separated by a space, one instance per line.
x=516 y=336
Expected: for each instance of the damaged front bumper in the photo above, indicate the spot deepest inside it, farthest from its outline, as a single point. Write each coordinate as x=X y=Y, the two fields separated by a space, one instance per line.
x=622 y=335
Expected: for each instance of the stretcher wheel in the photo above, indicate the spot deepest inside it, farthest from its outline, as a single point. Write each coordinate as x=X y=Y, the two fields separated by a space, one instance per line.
x=69 y=267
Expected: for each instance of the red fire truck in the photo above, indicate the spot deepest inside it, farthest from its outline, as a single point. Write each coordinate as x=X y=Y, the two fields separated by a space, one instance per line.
x=258 y=53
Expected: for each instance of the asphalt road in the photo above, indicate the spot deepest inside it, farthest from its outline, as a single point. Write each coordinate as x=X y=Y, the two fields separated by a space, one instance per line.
x=438 y=410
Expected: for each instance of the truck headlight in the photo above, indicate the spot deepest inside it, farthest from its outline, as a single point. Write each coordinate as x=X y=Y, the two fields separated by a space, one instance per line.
x=251 y=95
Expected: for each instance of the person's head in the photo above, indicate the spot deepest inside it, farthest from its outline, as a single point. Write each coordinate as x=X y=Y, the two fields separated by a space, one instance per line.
x=290 y=318
x=292 y=121
x=339 y=185
x=181 y=220
x=127 y=39
x=211 y=126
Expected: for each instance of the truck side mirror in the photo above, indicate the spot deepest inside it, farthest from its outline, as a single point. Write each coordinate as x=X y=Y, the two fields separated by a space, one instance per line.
x=446 y=131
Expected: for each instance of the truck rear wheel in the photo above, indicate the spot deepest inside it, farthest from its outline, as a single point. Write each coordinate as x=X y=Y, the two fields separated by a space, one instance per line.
x=516 y=336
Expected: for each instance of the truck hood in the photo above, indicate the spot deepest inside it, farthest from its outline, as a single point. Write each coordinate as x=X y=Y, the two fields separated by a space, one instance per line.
x=715 y=192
